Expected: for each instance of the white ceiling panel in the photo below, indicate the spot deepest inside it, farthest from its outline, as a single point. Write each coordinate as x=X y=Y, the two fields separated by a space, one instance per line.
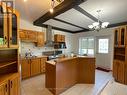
x=61 y=25
x=113 y=11
x=75 y=17
x=33 y=9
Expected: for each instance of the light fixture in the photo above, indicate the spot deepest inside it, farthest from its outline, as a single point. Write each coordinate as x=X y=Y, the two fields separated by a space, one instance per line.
x=96 y=26
x=53 y=4
x=25 y=0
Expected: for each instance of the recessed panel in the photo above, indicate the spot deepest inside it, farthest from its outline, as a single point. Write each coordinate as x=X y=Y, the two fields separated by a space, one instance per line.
x=62 y=25
x=113 y=11
x=75 y=17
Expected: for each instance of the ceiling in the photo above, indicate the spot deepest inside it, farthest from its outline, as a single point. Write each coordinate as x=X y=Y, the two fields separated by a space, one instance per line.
x=113 y=11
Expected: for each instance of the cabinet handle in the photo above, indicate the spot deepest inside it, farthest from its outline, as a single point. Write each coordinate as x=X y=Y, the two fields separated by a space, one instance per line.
x=10 y=39
x=5 y=40
x=6 y=88
x=11 y=84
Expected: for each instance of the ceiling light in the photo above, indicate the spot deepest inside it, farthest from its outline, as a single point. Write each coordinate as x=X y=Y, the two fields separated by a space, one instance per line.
x=51 y=10
x=96 y=26
x=25 y=0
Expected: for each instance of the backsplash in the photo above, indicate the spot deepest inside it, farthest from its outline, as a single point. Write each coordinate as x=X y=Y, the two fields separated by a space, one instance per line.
x=25 y=46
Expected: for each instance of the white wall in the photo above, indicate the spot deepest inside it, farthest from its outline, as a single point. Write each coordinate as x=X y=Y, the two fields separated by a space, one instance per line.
x=24 y=46
x=104 y=32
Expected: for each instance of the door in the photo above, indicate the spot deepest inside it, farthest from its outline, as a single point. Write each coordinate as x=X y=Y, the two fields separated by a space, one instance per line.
x=14 y=86
x=35 y=66
x=3 y=29
x=40 y=39
x=103 y=52
x=115 y=66
x=122 y=38
x=32 y=36
x=13 y=28
x=4 y=89
x=25 y=68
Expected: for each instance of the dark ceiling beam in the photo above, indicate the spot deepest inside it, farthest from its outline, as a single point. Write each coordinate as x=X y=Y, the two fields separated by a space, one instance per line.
x=85 y=13
x=61 y=8
x=117 y=24
x=68 y=23
x=57 y=28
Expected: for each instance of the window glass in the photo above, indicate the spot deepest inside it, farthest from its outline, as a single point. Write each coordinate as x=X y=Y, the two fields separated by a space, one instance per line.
x=103 y=45
x=86 y=46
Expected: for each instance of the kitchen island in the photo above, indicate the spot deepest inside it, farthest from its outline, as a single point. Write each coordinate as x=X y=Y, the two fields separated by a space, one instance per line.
x=63 y=73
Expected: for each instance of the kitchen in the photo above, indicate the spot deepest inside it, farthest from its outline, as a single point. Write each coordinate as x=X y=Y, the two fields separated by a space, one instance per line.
x=49 y=40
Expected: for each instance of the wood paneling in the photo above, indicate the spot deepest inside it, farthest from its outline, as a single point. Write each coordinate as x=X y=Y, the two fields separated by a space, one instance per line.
x=86 y=70
x=67 y=72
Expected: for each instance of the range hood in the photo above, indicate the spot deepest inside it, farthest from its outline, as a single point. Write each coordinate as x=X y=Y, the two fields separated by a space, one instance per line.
x=49 y=37
x=50 y=42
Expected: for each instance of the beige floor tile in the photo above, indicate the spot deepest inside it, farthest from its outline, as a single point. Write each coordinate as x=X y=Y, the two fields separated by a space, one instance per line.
x=36 y=86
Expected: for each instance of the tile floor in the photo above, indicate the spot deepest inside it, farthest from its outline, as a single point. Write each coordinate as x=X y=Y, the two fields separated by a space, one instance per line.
x=36 y=86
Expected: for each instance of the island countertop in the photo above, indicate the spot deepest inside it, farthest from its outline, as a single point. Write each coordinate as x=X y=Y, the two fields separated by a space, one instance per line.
x=58 y=60
x=63 y=73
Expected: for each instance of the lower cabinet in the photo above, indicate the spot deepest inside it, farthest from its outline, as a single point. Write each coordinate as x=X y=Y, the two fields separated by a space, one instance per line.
x=125 y=74
x=32 y=67
x=118 y=71
x=4 y=89
x=25 y=68
x=35 y=66
x=10 y=87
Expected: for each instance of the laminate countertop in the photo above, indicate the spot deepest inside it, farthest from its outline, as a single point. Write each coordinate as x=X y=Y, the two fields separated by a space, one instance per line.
x=59 y=60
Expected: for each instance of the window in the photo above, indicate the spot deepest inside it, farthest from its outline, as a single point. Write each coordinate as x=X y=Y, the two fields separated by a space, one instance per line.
x=103 y=45
x=86 y=46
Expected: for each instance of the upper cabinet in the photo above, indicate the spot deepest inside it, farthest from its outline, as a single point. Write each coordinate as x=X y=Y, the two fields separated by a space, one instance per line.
x=28 y=35
x=32 y=36
x=3 y=28
x=59 y=38
x=120 y=36
x=40 y=39
x=8 y=27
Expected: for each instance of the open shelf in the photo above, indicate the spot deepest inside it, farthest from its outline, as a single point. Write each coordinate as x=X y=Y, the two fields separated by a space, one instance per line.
x=7 y=64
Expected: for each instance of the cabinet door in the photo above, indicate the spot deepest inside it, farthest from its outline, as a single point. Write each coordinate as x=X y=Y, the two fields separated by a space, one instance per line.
x=115 y=65
x=122 y=35
x=120 y=77
x=4 y=88
x=40 y=39
x=63 y=38
x=14 y=86
x=125 y=73
x=3 y=30
x=116 y=37
x=57 y=38
x=25 y=68
x=23 y=35
x=35 y=66
x=13 y=28
x=32 y=36
x=43 y=60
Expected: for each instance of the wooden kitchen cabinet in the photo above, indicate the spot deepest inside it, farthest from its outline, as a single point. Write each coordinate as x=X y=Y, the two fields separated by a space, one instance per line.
x=40 y=39
x=25 y=68
x=9 y=28
x=4 y=88
x=118 y=70
x=35 y=66
x=32 y=67
x=120 y=36
x=28 y=35
x=59 y=38
x=43 y=62
x=14 y=86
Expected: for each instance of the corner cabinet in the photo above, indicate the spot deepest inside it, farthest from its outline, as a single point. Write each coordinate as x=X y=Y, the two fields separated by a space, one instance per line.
x=120 y=55
x=120 y=36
